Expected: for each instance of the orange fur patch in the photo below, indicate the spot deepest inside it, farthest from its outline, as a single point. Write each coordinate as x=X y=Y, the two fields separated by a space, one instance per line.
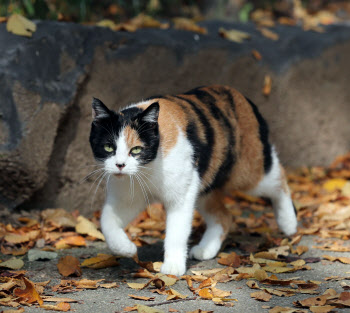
x=131 y=137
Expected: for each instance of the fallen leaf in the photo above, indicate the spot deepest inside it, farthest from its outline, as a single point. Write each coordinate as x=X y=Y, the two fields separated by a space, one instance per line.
x=183 y=23
x=29 y=294
x=234 y=35
x=301 y=249
x=69 y=266
x=261 y=296
x=231 y=259
x=85 y=227
x=19 y=25
x=136 y=285
x=58 y=218
x=62 y=306
x=267 y=85
x=322 y=309
x=100 y=261
x=279 y=309
x=145 y=309
x=13 y=263
x=141 y=298
x=256 y=54
x=205 y=293
x=20 y=238
x=69 y=241
x=20 y=310
x=109 y=285
x=269 y=34
x=334 y=184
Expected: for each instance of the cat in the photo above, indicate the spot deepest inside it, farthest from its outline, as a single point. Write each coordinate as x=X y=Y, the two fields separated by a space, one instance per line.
x=186 y=151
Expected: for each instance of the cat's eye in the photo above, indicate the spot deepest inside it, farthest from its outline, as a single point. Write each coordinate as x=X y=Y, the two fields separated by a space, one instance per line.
x=108 y=147
x=136 y=150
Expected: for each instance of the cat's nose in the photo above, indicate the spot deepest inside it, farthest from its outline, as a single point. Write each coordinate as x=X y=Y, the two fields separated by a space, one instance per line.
x=120 y=166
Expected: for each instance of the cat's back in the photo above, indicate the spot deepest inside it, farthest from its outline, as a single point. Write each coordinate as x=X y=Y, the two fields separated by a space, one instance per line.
x=226 y=131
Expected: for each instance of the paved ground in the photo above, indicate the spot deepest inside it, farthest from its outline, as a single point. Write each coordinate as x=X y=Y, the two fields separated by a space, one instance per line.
x=114 y=300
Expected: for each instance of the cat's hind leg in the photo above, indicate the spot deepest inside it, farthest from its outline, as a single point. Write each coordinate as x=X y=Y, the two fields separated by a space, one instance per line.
x=218 y=220
x=274 y=186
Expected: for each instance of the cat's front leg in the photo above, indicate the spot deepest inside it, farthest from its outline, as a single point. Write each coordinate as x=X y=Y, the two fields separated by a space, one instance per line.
x=117 y=212
x=178 y=229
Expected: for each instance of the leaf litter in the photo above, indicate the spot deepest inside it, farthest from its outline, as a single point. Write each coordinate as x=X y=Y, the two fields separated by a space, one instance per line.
x=323 y=205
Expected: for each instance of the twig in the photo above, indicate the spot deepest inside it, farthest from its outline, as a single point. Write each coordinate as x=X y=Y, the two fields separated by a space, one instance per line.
x=171 y=301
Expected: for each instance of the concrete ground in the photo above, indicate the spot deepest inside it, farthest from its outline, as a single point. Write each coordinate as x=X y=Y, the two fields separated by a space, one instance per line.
x=115 y=300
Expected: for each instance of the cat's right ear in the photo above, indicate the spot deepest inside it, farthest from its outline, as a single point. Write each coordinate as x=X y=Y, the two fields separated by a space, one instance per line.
x=99 y=110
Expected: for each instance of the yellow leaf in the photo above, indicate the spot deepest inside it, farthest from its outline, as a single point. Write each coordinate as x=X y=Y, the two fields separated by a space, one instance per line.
x=168 y=280
x=136 y=285
x=106 y=23
x=19 y=25
x=189 y=25
x=205 y=293
x=334 y=184
x=269 y=34
x=233 y=35
x=86 y=227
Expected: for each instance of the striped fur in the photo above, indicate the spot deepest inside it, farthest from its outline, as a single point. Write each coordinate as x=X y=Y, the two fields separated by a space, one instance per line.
x=195 y=147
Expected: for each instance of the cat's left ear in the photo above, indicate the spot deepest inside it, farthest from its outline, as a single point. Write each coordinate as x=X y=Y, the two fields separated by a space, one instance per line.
x=150 y=115
x=99 y=109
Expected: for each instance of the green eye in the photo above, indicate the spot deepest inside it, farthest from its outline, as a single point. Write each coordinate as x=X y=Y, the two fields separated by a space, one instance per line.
x=109 y=148
x=136 y=150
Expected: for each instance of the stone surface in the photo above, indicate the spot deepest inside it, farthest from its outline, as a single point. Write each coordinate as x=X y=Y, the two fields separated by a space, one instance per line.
x=47 y=83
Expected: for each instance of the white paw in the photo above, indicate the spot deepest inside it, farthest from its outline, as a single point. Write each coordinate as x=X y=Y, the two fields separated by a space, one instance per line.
x=127 y=248
x=173 y=267
x=202 y=253
x=288 y=226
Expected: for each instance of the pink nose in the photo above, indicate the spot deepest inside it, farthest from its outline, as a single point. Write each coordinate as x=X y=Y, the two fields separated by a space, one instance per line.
x=120 y=166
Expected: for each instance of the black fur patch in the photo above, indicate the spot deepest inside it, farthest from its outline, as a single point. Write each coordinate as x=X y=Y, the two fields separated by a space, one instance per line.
x=202 y=151
x=264 y=137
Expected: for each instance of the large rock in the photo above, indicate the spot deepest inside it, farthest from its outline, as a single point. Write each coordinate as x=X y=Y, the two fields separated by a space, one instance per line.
x=47 y=83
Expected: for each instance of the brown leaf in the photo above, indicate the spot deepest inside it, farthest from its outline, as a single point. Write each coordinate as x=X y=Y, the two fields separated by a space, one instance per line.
x=70 y=241
x=58 y=218
x=145 y=309
x=234 y=35
x=261 y=296
x=85 y=227
x=69 y=266
x=301 y=249
x=256 y=54
x=29 y=294
x=62 y=306
x=15 y=238
x=205 y=293
x=19 y=310
x=188 y=25
x=322 y=309
x=267 y=85
x=252 y=284
x=269 y=34
x=13 y=263
x=231 y=259
x=141 y=298
x=100 y=261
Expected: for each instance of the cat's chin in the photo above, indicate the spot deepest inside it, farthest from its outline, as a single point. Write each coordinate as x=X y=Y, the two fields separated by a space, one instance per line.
x=119 y=175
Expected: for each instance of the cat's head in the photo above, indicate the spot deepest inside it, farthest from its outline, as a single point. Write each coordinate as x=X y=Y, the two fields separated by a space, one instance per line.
x=126 y=140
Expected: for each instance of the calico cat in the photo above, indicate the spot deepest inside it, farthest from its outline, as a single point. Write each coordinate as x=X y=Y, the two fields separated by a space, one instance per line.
x=186 y=151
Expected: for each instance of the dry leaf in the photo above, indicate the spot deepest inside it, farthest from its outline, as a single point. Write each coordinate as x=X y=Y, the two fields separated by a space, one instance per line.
x=261 y=296
x=19 y=25
x=13 y=263
x=267 y=85
x=100 y=261
x=20 y=310
x=269 y=34
x=334 y=184
x=69 y=266
x=279 y=309
x=29 y=294
x=58 y=218
x=137 y=285
x=301 y=249
x=62 y=306
x=234 y=35
x=69 y=241
x=256 y=54
x=322 y=309
x=188 y=25
x=85 y=227
x=141 y=298
x=231 y=259
x=146 y=309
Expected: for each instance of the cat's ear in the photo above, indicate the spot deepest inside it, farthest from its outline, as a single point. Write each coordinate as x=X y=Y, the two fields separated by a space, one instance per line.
x=99 y=109
x=150 y=115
